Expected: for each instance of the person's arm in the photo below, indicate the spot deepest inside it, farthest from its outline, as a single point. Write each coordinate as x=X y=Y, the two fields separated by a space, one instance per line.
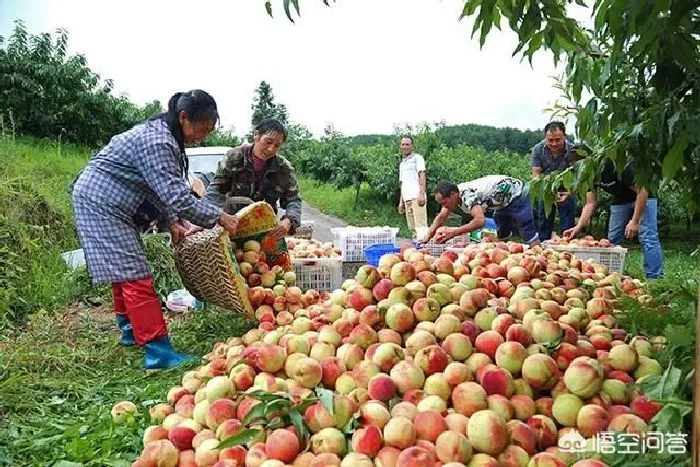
x=586 y=214
x=290 y=201
x=640 y=205
x=438 y=222
x=422 y=198
x=535 y=162
x=156 y=159
x=477 y=222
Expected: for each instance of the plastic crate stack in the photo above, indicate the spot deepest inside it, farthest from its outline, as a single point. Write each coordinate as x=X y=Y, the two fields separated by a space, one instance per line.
x=320 y=274
x=353 y=240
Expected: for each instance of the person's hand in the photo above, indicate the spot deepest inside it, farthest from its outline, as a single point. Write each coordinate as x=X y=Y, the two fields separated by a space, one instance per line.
x=631 y=229
x=443 y=234
x=402 y=208
x=282 y=229
x=229 y=222
x=571 y=233
x=177 y=231
x=562 y=196
x=421 y=199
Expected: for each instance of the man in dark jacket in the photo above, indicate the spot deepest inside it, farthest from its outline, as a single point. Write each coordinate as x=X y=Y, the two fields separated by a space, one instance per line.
x=633 y=211
x=258 y=173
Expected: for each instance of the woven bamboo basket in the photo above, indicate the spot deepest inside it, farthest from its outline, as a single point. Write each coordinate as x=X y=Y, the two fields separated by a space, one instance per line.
x=210 y=272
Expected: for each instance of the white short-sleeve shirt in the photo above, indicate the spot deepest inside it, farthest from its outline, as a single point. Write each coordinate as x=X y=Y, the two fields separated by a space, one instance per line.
x=409 y=168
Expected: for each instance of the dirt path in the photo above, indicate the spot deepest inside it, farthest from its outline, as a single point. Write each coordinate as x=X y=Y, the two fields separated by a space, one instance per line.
x=323 y=223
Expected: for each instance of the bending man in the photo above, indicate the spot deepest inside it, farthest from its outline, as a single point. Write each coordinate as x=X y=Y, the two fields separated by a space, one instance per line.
x=507 y=196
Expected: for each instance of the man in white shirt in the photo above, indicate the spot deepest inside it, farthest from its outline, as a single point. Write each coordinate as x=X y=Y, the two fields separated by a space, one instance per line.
x=508 y=197
x=413 y=200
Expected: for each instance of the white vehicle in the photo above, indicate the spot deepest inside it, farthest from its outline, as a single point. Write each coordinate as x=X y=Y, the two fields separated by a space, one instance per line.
x=204 y=161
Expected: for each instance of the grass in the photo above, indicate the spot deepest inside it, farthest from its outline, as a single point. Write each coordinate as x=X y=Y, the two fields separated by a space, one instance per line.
x=60 y=378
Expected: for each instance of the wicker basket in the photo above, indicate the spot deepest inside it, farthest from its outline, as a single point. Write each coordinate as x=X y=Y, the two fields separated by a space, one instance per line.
x=210 y=272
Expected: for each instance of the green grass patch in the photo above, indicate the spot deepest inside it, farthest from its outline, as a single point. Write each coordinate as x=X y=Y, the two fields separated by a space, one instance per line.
x=60 y=378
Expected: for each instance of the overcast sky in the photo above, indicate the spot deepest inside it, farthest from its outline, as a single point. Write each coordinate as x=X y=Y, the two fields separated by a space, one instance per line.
x=362 y=65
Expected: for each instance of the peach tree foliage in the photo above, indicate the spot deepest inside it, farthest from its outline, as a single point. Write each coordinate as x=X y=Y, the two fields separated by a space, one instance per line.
x=632 y=81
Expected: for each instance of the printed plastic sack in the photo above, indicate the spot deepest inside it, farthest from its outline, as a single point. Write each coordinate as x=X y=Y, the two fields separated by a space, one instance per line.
x=256 y=222
x=180 y=301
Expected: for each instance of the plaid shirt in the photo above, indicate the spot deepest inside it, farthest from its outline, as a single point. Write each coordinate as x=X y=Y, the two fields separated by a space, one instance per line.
x=144 y=164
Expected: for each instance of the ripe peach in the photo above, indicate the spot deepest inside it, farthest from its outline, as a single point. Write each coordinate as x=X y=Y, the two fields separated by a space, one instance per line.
x=540 y=371
x=160 y=452
x=565 y=409
x=429 y=425
x=487 y=432
x=399 y=433
x=407 y=375
x=591 y=419
x=468 y=398
x=545 y=431
x=584 y=377
x=381 y=387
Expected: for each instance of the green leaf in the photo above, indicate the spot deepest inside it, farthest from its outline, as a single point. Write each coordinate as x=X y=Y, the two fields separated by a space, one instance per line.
x=678 y=335
x=674 y=159
x=326 y=397
x=667 y=384
x=298 y=422
x=277 y=405
x=268 y=8
x=242 y=437
x=670 y=418
x=257 y=412
x=287 y=10
x=296 y=6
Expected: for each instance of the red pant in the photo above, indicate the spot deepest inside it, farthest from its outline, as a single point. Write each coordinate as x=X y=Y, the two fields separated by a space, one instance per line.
x=139 y=301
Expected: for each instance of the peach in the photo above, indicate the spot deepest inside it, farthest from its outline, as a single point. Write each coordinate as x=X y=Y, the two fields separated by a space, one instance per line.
x=282 y=445
x=154 y=433
x=645 y=408
x=485 y=317
x=404 y=409
x=436 y=385
x=407 y=375
x=418 y=340
x=426 y=309
x=522 y=435
x=501 y=323
x=328 y=440
x=359 y=298
x=367 y=440
x=416 y=289
x=497 y=381
x=429 y=425
x=367 y=276
x=307 y=372
x=544 y=406
x=228 y=428
x=628 y=423
x=487 y=342
x=270 y=358
x=565 y=409
x=202 y=436
x=375 y=413
x=510 y=355
x=591 y=419
x=402 y=273
x=457 y=422
x=584 y=377
x=542 y=459
x=468 y=398
x=160 y=452
x=647 y=367
x=387 y=355
x=415 y=457
x=350 y=354
x=545 y=431
x=207 y=453
x=387 y=457
x=519 y=333
x=616 y=390
x=381 y=387
x=514 y=456
x=399 y=432
x=219 y=411
x=381 y=290
x=523 y=406
x=456 y=373
x=181 y=437
x=623 y=358
x=458 y=346
x=257 y=454
x=432 y=359
x=487 y=432
x=326 y=459
x=545 y=331
x=540 y=371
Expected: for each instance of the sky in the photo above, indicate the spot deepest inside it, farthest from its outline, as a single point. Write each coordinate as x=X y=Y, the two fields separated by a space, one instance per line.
x=363 y=66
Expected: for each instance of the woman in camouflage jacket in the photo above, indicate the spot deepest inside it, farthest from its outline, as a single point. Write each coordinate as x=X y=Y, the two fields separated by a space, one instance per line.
x=258 y=173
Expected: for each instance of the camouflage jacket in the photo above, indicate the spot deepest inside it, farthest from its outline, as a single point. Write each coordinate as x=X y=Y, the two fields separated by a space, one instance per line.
x=235 y=179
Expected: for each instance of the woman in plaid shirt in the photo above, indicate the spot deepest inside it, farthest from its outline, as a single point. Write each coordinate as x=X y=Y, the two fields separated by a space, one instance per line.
x=143 y=167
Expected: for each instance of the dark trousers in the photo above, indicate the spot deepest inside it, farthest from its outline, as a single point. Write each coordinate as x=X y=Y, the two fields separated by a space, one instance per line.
x=567 y=216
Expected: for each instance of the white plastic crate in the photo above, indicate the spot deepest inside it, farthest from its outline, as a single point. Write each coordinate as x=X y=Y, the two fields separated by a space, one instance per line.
x=353 y=240
x=436 y=249
x=613 y=257
x=320 y=274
